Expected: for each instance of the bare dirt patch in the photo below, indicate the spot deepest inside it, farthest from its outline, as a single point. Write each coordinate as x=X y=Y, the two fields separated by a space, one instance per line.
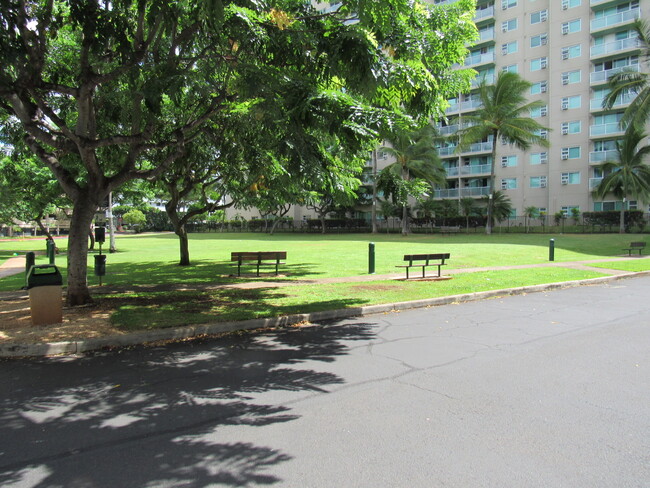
x=78 y=323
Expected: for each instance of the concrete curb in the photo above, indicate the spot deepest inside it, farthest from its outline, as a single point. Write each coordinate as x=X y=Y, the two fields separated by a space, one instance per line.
x=195 y=331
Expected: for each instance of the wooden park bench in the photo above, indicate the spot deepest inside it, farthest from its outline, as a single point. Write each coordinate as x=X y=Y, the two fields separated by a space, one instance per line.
x=258 y=259
x=635 y=246
x=423 y=261
x=449 y=229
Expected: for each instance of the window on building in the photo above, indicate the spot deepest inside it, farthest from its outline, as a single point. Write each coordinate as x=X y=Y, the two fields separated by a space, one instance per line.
x=537 y=182
x=573 y=127
x=570 y=77
x=539 y=87
x=506 y=4
x=571 y=52
x=540 y=40
x=539 y=111
x=509 y=25
x=509 y=183
x=512 y=68
x=567 y=210
x=509 y=48
x=540 y=16
x=567 y=4
x=571 y=102
x=570 y=178
x=538 y=63
x=571 y=26
x=539 y=158
x=570 y=152
x=508 y=161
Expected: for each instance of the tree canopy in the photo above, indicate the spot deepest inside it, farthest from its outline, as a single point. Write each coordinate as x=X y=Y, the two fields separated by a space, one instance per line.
x=109 y=92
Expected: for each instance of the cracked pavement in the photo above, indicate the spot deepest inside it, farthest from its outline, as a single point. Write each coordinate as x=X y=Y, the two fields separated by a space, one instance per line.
x=550 y=389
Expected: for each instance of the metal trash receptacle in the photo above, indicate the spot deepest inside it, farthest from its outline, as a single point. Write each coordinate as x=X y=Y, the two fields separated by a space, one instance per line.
x=44 y=283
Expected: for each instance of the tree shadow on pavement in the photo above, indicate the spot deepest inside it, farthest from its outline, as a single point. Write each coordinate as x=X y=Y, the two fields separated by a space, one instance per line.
x=154 y=416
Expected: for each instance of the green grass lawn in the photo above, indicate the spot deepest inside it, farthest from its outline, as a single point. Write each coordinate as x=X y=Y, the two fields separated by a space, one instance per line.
x=633 y=266
x=162 y=309
x=152 y=259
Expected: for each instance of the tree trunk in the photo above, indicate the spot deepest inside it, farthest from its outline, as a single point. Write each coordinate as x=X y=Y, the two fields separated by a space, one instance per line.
x=490 y=208
x=405 y=221
x=181 y=232
x=621 y=225
x=44 y=230
x=322 y=223
x=82 y=217
x=373 y=215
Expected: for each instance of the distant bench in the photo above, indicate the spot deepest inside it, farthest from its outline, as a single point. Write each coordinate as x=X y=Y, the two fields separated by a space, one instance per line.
x=423 y=261
x=258 y=259
x=635 y=246
x=450 y=229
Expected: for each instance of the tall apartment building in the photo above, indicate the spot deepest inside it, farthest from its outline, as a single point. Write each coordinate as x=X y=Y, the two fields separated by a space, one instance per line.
x=567 y=49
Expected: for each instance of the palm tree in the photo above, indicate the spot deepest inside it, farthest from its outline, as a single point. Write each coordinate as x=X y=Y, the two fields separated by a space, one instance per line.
x=501 y=206
x=630 y=175
x=504 y=114
x=467 y=207
x=416 y=166
x=628 y=81
x=529 y=214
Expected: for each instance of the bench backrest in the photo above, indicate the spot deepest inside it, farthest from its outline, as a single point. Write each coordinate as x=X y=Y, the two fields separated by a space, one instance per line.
x=637 y=244
x=426 y=257
x=257 y=256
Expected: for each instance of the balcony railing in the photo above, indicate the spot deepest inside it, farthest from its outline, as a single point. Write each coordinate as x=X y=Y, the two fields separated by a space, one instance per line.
x=615 y=46
x=446 y=151
x=446 y=193
x=480 y=59
x=484 y=13
x=605 y=129
x=489 y=79
x=475 y=169
x=471 y=105
x=480 y=147
x=597 y=103
x=615 y=19
x=594 y=182
x=602 y=76
x=602 y=156
x=475 y=191
x=486 y=35
x=448 y=130
x=452 y=171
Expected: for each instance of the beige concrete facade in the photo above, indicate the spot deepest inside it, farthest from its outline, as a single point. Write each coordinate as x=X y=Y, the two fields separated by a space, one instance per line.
x=567 y=48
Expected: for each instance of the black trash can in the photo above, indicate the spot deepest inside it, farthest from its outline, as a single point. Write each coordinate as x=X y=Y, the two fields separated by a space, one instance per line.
x=44 y=283
x=100 y=264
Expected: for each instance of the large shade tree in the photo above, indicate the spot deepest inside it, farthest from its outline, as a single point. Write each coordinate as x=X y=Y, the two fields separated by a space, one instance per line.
x=504 y=114
x=630 y=175
x=109 y=92
x=634 y=82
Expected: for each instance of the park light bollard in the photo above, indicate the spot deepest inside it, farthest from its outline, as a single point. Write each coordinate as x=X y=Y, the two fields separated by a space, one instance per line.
x=30 y=260
x=371 y=258
x=551 y=250
x=50 y=250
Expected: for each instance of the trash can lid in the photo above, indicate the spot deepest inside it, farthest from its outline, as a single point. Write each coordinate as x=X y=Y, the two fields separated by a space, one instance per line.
x=44 y=275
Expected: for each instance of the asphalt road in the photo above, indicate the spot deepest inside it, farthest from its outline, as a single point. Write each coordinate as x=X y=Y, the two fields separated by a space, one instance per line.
x=545 y=390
